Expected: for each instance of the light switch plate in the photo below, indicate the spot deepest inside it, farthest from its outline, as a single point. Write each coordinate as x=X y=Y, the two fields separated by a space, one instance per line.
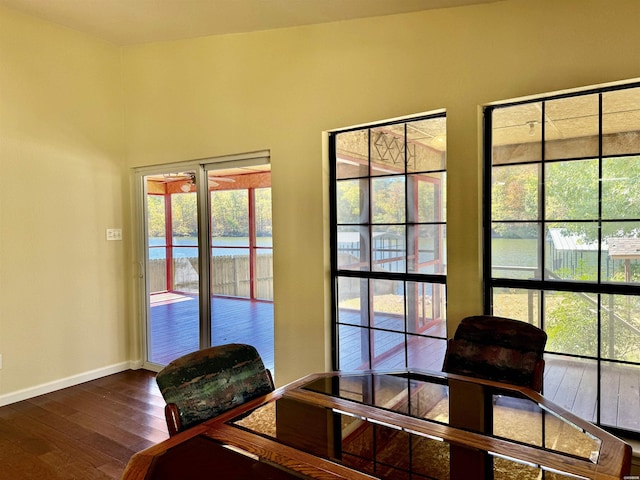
x=114 y=234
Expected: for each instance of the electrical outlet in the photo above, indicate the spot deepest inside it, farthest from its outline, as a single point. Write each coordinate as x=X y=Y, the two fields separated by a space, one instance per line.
x=0 y=361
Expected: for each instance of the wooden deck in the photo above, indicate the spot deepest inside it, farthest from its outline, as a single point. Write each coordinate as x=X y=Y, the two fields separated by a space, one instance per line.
x=572 y=384
x=175 y=331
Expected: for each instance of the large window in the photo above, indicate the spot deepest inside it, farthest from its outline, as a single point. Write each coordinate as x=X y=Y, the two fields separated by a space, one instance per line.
x=562 y=241
x=389 y=244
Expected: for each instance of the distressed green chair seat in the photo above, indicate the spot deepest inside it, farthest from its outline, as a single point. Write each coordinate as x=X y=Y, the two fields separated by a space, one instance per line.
x=499 y=349
x=206 y=383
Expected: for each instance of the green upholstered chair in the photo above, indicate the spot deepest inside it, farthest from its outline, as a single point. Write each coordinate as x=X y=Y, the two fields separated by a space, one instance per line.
x=499 y=349
x=203 y=384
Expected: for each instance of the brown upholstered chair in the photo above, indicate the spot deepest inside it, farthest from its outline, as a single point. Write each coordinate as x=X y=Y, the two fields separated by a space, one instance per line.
x=203 y=384
x=498 y=349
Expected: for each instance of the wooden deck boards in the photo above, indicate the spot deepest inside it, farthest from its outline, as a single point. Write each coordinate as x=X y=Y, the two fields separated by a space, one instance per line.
x=572 y=384
x=174 y=327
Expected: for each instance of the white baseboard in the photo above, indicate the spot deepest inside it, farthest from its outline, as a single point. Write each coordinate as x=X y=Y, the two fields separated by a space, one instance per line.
x=49 y=387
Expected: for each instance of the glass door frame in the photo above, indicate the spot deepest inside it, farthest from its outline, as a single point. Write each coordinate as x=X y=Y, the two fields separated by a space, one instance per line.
x=201 y=167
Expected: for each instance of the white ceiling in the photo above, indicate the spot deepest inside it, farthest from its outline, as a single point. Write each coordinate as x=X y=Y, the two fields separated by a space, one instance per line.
x=129 y=22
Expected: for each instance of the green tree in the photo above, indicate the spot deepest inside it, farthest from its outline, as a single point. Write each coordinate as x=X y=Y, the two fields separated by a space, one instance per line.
x=155 y=216
x=349 y=201
x=388 y=200
x=263 y=215
x=184 y=214
x=230 y=213
x=571 y=325
x=514 y=196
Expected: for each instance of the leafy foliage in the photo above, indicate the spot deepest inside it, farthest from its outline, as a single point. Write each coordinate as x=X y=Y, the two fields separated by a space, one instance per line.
x=229 y=213
x=571 y=195
x=572 y=326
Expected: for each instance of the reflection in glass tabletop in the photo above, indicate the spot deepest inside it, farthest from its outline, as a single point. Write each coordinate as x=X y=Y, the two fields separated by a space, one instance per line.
x=512 y=415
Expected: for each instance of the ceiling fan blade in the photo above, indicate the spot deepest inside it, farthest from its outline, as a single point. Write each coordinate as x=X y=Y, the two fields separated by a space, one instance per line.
x=222 y=179
x=176 y=177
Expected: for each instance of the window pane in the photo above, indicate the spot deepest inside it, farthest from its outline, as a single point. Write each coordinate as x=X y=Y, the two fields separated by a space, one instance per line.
x=620 y=402
x=572 y=251
x=621 y=327
x=350 y=291
x=427 y=145
x=426 y=198
x=263 y=214
x=353 y=248
x=426 y=312
x=389 y=249
x=157 y=248
x=387 y=150
x=572 y=127
x=388 y=200
x=264 y=275
x=388 y=350
x=352 y=201
x=184 y=235
x=230 y=272
x=571 y=190
x=620 y=193
x=571 y=323
x=156 y=217
x=184 y=219
x=426 y=249
x=425 y=353
x=353 y=348
x=516 y=303
x=621 y=122
x=514 y=253
x=621 y=253
x=352 y=154
x=572 y=384
x=388 y=304
x=517 y=134
x=230 y=216
x=515 y=192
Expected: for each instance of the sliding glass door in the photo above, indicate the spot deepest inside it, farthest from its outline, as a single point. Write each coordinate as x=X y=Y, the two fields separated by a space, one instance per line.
x=206 y=257
x=241 y=260
x=172 y=265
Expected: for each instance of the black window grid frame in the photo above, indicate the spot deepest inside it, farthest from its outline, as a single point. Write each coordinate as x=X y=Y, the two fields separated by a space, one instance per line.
x=542 y=285
x=370 y=274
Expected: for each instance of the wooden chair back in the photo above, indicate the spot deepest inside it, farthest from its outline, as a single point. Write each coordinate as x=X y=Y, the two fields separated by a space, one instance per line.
x=499 y=349
x=203 y=384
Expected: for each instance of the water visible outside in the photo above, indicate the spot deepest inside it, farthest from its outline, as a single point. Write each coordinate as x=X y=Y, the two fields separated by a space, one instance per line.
x=186 y=247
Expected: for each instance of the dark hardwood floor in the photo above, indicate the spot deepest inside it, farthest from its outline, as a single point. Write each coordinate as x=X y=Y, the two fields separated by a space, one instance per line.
x=84 y=432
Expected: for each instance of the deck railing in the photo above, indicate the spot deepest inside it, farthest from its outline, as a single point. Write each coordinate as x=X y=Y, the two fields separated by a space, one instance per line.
x=231 y=276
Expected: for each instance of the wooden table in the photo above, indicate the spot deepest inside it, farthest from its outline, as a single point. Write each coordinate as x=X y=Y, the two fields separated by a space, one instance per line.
x=408 y=425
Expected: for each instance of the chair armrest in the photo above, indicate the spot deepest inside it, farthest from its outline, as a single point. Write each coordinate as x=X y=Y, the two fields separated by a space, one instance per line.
x=270 y=378
x=538 y=376
x=172 y=415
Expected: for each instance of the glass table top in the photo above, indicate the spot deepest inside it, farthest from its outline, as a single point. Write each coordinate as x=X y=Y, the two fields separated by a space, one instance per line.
x=510 y=415
x=393 y=451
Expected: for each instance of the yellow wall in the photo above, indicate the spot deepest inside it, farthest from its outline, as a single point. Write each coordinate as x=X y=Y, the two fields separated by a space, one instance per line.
x=276 y=90
x=63 y=289
x=280 y=89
